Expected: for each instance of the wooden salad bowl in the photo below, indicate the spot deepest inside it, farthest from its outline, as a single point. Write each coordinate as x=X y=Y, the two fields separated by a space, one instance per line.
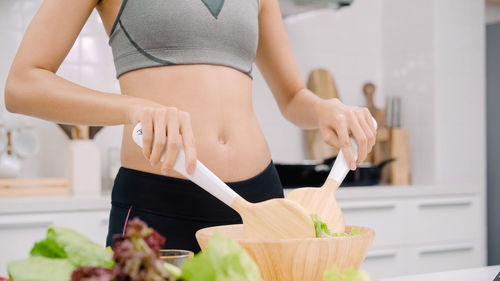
x=302 y=259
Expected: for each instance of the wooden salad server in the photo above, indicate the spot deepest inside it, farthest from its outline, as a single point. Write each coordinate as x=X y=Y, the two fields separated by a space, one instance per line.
x=321 y=201
x=271 y=219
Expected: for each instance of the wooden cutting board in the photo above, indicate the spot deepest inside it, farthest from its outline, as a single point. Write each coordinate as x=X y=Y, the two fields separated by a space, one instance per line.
x=321 y=83
x=381 y=146
x=34 y=187
x=378 y=113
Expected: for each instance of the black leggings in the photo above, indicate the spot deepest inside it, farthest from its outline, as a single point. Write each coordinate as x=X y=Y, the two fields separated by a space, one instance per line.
x=177 y=208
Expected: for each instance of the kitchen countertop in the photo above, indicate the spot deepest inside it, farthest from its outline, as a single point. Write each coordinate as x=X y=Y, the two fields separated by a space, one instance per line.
x=473 y=274
x=397 y=191
x=19 y=205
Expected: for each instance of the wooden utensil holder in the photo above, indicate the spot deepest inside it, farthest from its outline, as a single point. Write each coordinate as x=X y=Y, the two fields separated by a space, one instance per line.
x=84 y=168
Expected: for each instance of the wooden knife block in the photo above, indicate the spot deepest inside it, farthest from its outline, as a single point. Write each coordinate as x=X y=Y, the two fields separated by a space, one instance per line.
x=393 y=143
x=400 y=149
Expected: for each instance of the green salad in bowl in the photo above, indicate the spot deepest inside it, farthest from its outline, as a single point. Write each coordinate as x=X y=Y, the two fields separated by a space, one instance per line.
x=322 y=230
x=65 y=255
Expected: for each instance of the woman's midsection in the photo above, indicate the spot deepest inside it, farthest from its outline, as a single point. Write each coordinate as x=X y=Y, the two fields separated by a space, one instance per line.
x=229 y=140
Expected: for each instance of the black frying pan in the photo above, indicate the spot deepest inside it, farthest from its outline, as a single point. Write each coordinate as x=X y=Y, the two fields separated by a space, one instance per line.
x=299 y=175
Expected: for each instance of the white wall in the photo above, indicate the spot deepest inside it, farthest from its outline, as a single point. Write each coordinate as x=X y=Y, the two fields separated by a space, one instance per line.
x=434 y=59
x=345 y=42
x=459 y=59
x=407 y=28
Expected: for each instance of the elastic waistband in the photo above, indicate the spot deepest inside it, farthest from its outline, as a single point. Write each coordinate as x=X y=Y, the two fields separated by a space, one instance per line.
x=176 y=197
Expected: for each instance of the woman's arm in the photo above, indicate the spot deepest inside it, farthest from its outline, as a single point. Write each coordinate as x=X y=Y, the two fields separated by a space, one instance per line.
x=298 y=104
x=33 y=88
x=277 y=64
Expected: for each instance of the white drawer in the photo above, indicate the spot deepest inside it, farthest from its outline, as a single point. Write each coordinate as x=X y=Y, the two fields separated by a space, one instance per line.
x=384 y=217
x=443 y=220
x=385 y=263
x=443 y=257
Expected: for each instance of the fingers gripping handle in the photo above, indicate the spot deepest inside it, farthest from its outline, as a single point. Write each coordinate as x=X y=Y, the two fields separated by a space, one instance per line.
x=202 y=176
x=340 y=167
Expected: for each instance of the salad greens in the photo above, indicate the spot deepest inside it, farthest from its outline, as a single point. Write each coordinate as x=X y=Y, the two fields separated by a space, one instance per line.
x=58 y=255
x=223 y=260
x=349 y=274
x=48 y=248
x=40 y=269
x=137 y=255
x=79 y=250
x=63 y=242
x=322 y=230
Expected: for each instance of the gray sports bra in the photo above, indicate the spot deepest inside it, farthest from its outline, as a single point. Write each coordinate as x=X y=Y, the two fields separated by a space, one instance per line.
x=149 y=33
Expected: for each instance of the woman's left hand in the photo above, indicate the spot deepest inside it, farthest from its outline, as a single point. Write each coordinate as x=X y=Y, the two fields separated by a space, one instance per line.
x=338 y=121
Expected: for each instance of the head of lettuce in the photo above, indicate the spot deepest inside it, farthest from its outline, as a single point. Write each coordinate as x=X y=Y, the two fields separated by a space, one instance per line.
x=55 y=257
x=223 y=260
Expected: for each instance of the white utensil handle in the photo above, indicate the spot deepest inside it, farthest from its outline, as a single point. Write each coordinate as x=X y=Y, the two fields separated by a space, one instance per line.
x=202 y=176
x=340 y=167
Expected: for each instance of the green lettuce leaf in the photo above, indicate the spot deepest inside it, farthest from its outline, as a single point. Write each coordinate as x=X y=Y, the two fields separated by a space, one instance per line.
x=223 y=260
x=48 y=248
x=40 y=269
x=322 y=230
x=80 y=251
x=321 y=227
x=55 y=257
x=354 y=231
x=332 y=275
x=349 y=274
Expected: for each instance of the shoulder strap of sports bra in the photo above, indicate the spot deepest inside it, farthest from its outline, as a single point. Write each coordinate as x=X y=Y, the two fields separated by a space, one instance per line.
x=122 y=7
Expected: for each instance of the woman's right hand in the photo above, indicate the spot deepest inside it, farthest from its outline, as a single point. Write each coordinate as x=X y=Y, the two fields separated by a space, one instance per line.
x=158 y=123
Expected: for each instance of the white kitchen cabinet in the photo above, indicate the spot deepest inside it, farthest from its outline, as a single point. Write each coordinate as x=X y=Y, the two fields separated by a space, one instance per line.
x=386 y=217
x=386 y=262
x=454 y=218
x=443 y=257
x=20 y=229
x=392 y=262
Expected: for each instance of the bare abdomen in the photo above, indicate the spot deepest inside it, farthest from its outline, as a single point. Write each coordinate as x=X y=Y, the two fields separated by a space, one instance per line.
x=228 y=138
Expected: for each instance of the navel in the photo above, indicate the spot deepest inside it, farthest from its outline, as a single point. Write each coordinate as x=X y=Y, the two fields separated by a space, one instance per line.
x=222 y=139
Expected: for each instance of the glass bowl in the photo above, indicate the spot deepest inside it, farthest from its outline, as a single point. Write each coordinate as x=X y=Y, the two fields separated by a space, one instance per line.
x=176 y=257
